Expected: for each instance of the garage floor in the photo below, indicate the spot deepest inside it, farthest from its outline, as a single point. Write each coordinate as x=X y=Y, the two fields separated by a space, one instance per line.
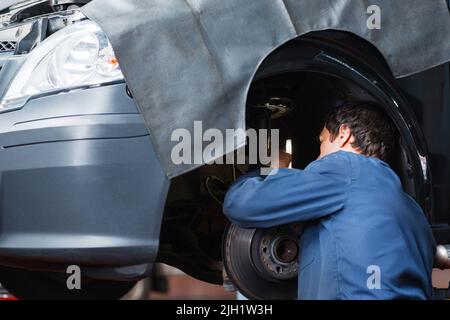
x=183 y=287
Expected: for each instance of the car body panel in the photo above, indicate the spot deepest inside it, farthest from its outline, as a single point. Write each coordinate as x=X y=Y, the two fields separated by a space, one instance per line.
x=7 y=3
x=80 y=184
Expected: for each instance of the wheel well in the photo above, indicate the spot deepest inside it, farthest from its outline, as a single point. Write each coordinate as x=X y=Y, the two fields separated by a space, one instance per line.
x=357 y=71
x=350 y=44
x=296 y=70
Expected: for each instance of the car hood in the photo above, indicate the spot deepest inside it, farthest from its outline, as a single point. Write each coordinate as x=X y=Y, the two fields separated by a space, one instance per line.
x=188 y=60
x=5 y=4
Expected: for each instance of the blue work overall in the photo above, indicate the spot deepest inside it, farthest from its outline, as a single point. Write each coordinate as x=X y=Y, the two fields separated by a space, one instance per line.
x=364 y=237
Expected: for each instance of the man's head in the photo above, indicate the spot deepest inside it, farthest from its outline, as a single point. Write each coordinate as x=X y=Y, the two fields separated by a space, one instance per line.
x=361 y=128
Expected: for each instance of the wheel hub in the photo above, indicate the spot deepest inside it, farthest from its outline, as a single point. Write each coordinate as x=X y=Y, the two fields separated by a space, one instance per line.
x=262 y=263
x=277 y=251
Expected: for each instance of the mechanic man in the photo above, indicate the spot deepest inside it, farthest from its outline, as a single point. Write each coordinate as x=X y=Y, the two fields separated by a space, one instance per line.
x=364 y=238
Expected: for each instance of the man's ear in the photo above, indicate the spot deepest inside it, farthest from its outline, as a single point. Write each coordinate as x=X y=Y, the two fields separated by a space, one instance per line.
x=344 y=136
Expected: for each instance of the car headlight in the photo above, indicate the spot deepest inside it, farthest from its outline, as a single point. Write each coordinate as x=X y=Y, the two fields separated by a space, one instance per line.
x=77 y=56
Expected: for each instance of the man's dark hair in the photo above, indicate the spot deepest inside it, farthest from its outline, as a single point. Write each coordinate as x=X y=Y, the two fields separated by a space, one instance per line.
x=372 y=129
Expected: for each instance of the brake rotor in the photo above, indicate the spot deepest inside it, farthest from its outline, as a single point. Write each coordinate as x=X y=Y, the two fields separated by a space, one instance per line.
x=262 y=263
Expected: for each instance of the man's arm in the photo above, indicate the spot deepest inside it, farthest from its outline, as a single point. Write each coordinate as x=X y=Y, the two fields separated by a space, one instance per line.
x=290 y=195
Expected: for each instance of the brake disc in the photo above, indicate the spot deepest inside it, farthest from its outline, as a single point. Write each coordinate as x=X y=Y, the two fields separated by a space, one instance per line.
x=262 y=263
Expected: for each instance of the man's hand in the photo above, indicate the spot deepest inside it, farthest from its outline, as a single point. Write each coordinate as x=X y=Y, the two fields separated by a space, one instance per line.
x=283 y=161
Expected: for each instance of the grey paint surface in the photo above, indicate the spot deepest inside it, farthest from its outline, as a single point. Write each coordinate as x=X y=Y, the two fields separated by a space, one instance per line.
x=6 y=4
x=80 y=184
x=188 y=60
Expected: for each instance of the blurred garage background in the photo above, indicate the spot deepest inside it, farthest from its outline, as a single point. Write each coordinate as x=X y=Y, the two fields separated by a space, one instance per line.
x=169 y=283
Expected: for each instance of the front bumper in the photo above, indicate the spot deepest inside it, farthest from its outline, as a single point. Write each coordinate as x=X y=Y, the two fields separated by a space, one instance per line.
x=80 y=184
